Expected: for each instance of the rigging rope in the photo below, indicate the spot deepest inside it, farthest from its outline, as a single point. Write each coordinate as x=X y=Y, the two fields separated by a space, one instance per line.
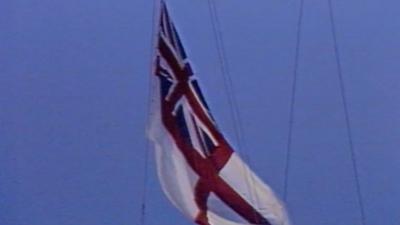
x=229 y=90
x=150 y=101
x=347 y=115
x=293 y=100
x=228 y=84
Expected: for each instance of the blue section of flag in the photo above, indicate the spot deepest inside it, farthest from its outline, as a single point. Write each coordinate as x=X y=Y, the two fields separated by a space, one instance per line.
x=207 y=143
x=180 y=119
x=165 y=86
x=197 y=89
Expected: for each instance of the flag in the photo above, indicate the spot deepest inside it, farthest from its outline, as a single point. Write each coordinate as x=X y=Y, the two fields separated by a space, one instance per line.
x=198 y=170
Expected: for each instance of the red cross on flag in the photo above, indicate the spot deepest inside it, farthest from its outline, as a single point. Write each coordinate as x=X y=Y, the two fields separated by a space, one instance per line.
x=198 y=169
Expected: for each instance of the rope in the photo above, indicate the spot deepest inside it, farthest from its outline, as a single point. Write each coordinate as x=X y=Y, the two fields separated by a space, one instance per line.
x=293 y=100
x=228 y=84
x=347 y=115
x=229 y=91
x=150 y=102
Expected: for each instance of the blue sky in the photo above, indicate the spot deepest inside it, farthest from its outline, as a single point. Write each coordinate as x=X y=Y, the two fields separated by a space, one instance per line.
x=74 y=87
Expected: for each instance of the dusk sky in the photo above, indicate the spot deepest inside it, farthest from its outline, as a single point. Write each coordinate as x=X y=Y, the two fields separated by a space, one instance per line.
x=74 y=84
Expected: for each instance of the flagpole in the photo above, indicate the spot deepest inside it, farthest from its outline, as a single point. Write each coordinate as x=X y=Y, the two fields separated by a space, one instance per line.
x=153 y=45
x=150 y=101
